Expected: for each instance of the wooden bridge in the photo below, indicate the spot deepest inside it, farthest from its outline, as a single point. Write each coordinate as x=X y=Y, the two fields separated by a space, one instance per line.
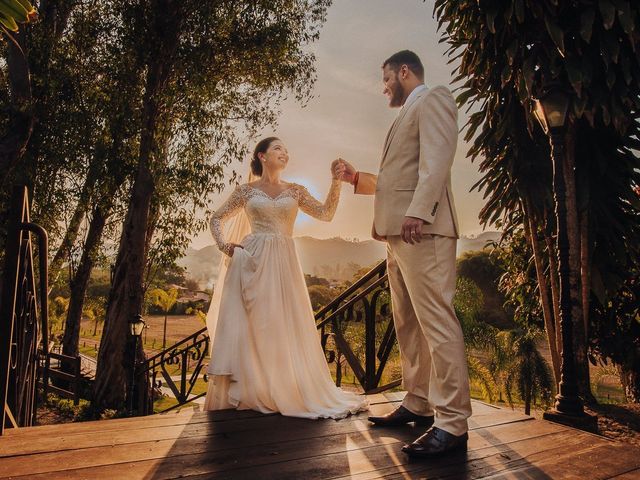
x=248 y=445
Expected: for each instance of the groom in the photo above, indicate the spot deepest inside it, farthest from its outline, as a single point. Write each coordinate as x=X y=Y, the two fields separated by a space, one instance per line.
x=414 y=213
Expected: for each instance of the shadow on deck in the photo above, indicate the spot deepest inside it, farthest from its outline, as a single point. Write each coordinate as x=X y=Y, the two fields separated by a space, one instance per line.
x=245 y=444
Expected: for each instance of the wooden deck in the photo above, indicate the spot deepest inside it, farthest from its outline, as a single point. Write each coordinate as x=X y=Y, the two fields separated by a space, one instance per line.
x=248 y=445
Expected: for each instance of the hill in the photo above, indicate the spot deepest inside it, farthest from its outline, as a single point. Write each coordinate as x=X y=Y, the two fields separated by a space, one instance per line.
x=332 y=258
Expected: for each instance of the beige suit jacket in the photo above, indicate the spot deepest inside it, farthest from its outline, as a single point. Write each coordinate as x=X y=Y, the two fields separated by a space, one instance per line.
x=414 y=179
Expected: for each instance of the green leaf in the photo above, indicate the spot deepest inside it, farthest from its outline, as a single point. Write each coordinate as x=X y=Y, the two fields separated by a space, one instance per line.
x=626 y=69
x=625 y=16
x=573 y=67
x=606 y=116
x=586 y=24
x=579 y=104
x=528 y=72
x=491 y=21
x=556 y=33
x=611 y=78
x=611 y=43
x=608 y=12
x=511 y=51
x=464 y=97
x=519 y=6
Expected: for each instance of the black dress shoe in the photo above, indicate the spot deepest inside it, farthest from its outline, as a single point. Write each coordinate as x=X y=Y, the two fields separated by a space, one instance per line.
x=436 y=442
x=401 y=416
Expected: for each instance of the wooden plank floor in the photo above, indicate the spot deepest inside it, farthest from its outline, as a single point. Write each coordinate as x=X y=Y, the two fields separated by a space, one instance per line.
x=248 y=445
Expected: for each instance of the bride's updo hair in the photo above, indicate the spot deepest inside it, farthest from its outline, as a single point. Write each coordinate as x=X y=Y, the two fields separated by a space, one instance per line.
x=262 y=146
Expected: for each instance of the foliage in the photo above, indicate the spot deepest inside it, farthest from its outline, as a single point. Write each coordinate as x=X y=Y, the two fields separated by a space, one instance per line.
x=525 y=371
x=202 y=316
x=66 y=408
x=506 y=53
x=13 y=12
x=320 y=295
x=500 y=361
x=94 y=310
x=519 y=283
x=468 y=299
x=312 y=280
x=165 y=299
x=617 y=329
x=58 y=307
x=485 y=269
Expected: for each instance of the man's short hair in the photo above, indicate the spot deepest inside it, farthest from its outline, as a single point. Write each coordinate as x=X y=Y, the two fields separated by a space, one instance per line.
x=408 y=58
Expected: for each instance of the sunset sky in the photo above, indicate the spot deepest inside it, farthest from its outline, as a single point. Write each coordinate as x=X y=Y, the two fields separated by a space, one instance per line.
x=349 y=117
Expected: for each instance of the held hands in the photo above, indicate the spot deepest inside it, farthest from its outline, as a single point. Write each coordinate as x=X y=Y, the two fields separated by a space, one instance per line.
x=343 y=170
x=411 y=232
x=228 y=248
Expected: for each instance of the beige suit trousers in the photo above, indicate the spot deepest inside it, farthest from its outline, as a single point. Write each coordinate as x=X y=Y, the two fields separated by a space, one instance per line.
x=422 y=278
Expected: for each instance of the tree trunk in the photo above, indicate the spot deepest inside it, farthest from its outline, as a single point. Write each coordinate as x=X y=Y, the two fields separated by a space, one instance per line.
x=545 y=301
x=71 y=234
x=115 y=363
x=125 y=297
x=71 y=338
x=575 y=256
x=630 y=379
x=585 y=270
x=164 y=332
x=21 y=117
x=527 y=397
x=554 y=282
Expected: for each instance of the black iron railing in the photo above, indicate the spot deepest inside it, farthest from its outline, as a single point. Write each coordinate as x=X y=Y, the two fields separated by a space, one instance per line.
x=366 y=303
x=365 y=306
x=180 y=366
x=22 y=324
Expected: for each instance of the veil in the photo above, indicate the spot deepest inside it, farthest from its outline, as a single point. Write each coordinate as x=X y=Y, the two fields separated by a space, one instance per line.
x=236 y=228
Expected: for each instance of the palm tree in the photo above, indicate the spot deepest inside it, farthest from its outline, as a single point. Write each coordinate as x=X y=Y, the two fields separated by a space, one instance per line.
x=525 y=371
x=165 y=300
x=57 y=310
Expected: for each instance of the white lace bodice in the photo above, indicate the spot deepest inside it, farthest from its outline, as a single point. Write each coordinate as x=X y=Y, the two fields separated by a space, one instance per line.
x=272 y=215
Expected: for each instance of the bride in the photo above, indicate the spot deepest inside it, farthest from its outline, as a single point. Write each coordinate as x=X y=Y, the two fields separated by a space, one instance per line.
x=266 y=354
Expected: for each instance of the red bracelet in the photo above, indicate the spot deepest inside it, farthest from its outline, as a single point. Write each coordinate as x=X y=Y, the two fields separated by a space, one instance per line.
x=355 y=179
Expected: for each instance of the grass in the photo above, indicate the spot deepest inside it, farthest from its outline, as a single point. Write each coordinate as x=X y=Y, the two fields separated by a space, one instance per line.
x=167 y=401
x=89 y=351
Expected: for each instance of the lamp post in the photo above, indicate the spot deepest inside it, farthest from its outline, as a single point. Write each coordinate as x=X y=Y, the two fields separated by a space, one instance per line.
x=136 y=326
x=551 y=110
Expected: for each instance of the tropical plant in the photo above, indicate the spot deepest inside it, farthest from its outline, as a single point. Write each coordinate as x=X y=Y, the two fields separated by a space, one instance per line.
x=320 y=295
x=484 y=268
x=165 y=299
x=58 y=307
x=506 y=53
x=525 y=371
x=617 y=328
x=13 y=12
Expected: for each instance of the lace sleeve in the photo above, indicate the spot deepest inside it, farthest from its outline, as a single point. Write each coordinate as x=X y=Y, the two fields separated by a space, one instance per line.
x=235 y=202
x=321 y=211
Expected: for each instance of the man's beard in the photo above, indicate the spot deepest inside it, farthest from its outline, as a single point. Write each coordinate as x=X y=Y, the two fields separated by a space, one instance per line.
x=397 y=95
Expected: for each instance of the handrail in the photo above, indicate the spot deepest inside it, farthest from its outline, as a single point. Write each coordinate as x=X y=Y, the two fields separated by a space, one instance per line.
x=176 y=345
x=20 y=332
x=43 y=248
x=193 y=348
x=379 y=269
x=350 y=302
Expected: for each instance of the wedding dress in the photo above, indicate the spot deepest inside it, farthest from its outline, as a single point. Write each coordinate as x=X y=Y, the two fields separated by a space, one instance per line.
x=266 y=353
